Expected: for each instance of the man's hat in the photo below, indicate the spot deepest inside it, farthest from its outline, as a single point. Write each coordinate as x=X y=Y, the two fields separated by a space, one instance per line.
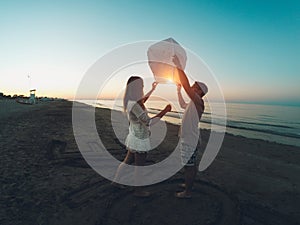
x=203 y=87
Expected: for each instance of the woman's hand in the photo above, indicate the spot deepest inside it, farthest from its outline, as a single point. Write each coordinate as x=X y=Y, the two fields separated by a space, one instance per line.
x=161 y=114
x=168 y=108
x=154 y=84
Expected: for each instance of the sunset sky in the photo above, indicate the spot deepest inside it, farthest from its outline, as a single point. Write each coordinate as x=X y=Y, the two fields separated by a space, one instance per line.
x=253 y=47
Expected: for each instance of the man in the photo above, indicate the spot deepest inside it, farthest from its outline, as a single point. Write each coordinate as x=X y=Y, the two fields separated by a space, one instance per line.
x=189 y=131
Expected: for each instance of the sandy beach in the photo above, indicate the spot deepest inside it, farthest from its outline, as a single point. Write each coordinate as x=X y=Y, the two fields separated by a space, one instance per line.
x=45 y=180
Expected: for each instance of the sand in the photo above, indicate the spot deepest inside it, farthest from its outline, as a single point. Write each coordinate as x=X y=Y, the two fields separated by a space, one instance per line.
x=45 y=180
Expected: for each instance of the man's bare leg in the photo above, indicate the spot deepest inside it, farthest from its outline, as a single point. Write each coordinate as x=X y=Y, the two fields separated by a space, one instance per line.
x=190 y=174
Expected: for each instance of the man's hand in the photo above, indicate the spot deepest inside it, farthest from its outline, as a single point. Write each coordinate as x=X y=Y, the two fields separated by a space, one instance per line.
x=178 y=87
x=176 y=62
x=183 y=78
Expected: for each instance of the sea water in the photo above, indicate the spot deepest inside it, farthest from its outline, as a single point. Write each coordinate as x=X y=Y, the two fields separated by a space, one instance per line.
x=274 y=123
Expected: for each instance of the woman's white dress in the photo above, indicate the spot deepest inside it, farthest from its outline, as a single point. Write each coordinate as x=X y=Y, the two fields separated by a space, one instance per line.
x=138 y=139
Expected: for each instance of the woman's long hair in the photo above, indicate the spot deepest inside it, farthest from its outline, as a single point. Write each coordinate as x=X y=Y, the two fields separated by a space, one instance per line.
x=134 y=92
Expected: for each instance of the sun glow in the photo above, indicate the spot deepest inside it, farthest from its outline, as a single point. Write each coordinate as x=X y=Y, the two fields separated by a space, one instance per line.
x=169 y=80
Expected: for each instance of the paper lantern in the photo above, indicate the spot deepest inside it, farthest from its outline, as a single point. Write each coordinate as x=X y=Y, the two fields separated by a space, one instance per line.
x=160 y=59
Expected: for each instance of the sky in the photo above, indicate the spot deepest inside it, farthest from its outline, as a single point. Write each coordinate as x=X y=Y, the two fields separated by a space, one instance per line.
x=252 y=47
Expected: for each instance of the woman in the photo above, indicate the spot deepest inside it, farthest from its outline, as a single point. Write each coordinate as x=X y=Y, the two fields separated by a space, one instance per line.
x=137 y=141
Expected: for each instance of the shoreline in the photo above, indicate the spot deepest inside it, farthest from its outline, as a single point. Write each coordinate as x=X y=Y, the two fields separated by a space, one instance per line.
x=248 y=132
x=45 y=180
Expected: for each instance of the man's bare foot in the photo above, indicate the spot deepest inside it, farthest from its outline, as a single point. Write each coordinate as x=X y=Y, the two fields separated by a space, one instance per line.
x=182 y=185
x=142 y=194
x=183 y=194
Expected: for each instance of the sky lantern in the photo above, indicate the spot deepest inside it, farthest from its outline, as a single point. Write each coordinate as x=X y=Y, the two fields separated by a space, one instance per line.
x=160 y=59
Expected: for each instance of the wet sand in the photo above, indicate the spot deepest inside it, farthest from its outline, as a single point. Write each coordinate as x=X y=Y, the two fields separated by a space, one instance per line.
x=45 y=180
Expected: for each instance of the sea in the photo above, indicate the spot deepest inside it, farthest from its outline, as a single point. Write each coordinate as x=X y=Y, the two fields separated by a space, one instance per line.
x=274 y=123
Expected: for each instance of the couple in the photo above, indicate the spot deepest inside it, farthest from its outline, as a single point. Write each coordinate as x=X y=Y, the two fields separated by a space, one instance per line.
x=138 y=142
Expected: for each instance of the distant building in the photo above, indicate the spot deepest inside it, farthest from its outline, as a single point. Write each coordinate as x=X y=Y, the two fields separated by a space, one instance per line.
x=1 y=95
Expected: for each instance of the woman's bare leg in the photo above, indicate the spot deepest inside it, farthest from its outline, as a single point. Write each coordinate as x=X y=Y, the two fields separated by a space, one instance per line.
x=129 y=158
x=140 y=160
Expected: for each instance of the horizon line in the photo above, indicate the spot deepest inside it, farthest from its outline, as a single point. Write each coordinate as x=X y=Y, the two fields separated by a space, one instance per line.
x=270 y=102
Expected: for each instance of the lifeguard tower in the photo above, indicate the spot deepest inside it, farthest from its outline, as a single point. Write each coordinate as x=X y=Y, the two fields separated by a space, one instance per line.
x=32 y=99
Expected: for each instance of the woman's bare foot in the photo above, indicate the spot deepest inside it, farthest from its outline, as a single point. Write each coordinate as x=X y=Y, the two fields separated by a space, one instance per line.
x=120 y=186
x=183 y=194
